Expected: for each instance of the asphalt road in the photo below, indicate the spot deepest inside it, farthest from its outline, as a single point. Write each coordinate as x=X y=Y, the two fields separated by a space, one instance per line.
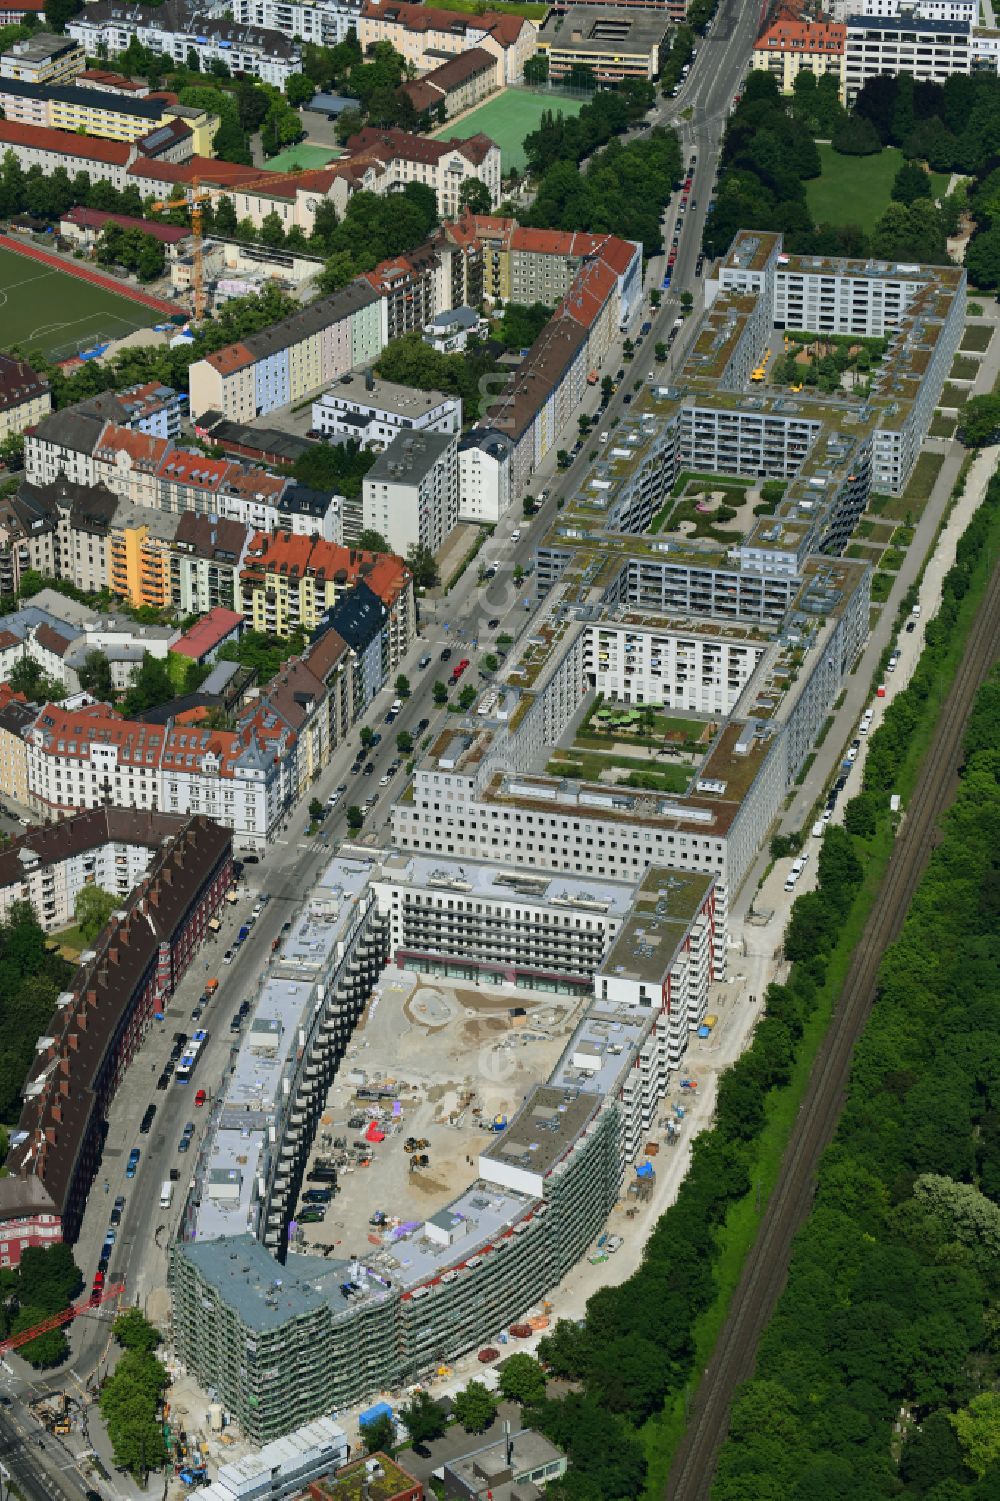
x=289 y=867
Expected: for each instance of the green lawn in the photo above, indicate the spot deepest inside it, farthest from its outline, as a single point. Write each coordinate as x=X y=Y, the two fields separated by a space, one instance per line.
x=303 y=155
x=855 y=189
x=507 y=119
x=57 y=314
x=977 y=336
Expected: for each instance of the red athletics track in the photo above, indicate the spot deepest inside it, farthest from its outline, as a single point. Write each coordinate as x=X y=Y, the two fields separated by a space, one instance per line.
x=74 y=268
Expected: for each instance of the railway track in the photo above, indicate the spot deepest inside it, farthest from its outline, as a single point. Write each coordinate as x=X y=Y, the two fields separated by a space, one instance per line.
x=766 y=1269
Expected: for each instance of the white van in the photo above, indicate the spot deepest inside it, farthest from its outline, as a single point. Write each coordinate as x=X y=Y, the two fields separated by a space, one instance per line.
x=893 y=662
x=166 y=1194
x=818 y=827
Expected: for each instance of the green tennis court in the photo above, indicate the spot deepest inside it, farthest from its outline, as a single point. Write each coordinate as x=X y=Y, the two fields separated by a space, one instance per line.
x=303 y=155
x=58 y=314
x=507 y=119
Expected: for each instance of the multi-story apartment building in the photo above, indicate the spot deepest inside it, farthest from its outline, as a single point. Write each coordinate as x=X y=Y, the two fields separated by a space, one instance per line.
x=929 y=49
x=431 y=1288
x=99 y=1025
x=205 y=563
x=93 y=112
x=445 y=166
x=24 y=396
x=788 y=46
x=140 y=545
x=425 y=35
x=410 y=494
x=50 y=150
x=933 y=10
x=613 y=41
x=304 y=352
x=470 y=260
x=15 y=716
x=455 y=86
x=108 y=847
x=289 y=583
x=481 y=797
x=325 y=23
x=484 y=475
x=87 y=757
x=306 y=1004
x=636 y=661
x=43 y=59
x=106 y=27
x=372 y=412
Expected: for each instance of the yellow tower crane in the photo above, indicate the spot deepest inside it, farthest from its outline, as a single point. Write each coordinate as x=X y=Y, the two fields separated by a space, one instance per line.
x=195 y=202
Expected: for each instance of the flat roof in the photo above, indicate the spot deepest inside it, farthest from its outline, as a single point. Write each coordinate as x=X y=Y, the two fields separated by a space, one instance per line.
x=410 y=455
x=604 y=28
x=253 y=1097
x=383 y=395
x=666 y=903
x=544 y=1129
x=502 y=883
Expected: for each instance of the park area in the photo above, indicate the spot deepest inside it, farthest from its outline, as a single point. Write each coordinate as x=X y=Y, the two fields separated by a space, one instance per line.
x=856 y=189
x=507 y=119
x=49 y=310
x=303 y=157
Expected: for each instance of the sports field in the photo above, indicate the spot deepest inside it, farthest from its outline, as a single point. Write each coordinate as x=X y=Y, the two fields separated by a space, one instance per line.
x=303 y=155
x=856 y=189
x=51 y=311
x=507 y=119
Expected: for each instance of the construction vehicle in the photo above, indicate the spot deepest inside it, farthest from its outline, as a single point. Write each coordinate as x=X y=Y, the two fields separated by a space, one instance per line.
x=195 y=202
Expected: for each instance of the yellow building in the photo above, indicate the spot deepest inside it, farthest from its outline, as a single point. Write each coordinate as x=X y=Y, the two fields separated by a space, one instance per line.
x=139 y=555
x=110 y=117
x=43 y=58
x=788 y=47
x=14 y=718
x=24 y=396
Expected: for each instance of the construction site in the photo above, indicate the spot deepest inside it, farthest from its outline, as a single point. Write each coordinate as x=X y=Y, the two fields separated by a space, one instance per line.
x=471 y=1057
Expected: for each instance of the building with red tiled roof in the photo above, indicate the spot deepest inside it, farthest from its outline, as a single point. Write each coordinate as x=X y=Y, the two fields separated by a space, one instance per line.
x=441 y=165
x=423 y=34
x=112 y=1002
x=202 y=642
x=289 y=583
x=789 y=46
x=459 y=84
x=83 y=227
x=39 y=146
x=87 y=756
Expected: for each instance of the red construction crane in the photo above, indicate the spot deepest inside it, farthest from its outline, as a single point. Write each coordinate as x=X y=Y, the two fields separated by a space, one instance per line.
x=94 y=1300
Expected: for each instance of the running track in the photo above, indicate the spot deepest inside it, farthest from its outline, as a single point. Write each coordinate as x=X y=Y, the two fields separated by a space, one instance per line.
x=84 y=273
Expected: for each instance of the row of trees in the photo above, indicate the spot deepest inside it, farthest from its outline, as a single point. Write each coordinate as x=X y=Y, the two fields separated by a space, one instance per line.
x=571 y=138
x=32 y=974
x=622 y=190
x=878 y=1375
x=636 y=1346
x=131 y=1398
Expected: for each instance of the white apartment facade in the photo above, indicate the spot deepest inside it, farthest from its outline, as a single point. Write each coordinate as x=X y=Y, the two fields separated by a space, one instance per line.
x=324 y=23
x=84 y=756
x=373 y=412
x=931 y=10
x=686 y=671
x=484 y=477
x=931 y=50
x=410 y=494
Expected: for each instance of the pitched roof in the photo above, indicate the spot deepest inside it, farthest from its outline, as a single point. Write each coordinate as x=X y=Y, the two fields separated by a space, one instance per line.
x=93 y=218
x=65 y=143
x=212 y=537
x=208 y=633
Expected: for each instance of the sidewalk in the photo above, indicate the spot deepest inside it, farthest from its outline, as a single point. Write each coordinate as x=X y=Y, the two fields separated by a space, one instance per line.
x=858 y=692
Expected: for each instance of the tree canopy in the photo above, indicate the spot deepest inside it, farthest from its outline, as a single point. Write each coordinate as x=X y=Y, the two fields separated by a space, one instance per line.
x=92 y=909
